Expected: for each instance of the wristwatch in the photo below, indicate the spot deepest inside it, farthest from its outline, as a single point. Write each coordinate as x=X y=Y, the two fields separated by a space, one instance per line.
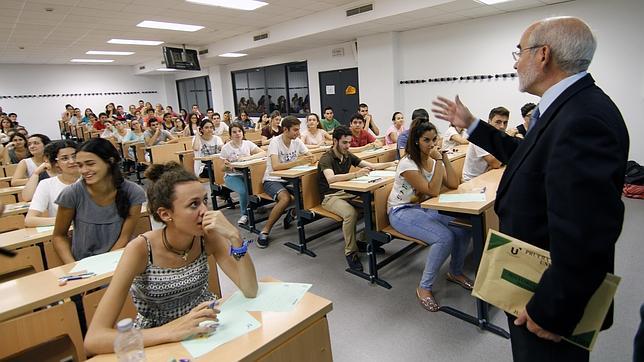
x=238 y=253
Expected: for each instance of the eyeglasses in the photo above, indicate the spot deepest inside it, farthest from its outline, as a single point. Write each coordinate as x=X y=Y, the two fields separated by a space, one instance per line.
x=516 y=55
x=66 y=158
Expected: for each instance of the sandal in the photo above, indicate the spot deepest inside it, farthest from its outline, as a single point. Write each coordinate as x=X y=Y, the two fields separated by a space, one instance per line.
x=428 y=303
x=466 y=284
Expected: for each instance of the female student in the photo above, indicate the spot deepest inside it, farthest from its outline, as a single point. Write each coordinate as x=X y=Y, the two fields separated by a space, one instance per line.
x=262 y=122
x=36 y=146
x=314 y=136
x=103 y=206
x=166 y=270
x=273 y=129
x=16 y=150
x=61 y=156
x=178 y=128
x=238 y=149
x=398 y=127
x=420 y=174
x=192 y=126
x=205 y=144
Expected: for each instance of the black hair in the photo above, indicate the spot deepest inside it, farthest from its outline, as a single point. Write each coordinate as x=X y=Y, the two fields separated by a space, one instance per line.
x=275 y=114
x=204 y=122
x=362 y=105
x=210 y=109
x=189 y=122
x=102 y=114
x=44 y=139
x=216 y=114
x=316 y=117
x=238 y=125
x=499 y=111
x=164 y=178
x=393 y=117
x=420 y=112
x=290 y=121
x=527 y=108
x=341 y=131
x=327 y=108
x=356 y=116
x=52 y=149
x=109 y=154
x=12 y=114
x=412 y=149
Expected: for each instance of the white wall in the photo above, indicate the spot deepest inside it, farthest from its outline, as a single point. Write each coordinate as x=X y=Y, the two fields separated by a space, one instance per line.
x=40 y=115
x=483 y=46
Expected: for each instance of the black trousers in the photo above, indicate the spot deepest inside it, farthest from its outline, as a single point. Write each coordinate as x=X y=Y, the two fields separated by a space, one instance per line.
x=527 y=347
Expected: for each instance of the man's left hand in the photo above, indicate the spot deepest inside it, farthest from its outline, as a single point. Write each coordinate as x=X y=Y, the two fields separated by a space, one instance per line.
x=533 y=327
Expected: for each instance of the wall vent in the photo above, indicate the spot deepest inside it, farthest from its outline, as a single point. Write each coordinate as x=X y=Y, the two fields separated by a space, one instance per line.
x=360 y=10
x=203 y=51
x=260 y=37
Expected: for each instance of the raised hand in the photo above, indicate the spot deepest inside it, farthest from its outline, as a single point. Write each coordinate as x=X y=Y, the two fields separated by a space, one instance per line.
x=454 y=112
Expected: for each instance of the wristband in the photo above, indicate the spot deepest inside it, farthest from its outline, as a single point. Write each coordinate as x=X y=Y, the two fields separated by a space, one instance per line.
x=238 y=253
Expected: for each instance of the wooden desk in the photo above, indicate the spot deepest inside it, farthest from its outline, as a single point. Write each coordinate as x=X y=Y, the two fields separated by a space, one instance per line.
x=481 y=216
x=19 y=208
x=299 y=335
x=14 y=191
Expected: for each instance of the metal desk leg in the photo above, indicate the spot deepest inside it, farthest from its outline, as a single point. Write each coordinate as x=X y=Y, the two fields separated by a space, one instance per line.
x=249 y=210
x=136 y=166
x=296 y=182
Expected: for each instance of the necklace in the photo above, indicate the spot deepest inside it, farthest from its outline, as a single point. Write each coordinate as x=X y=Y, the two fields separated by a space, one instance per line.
x=182 y=253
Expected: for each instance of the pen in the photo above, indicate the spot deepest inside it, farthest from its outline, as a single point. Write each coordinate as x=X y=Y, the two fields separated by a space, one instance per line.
x=77 y=276
x=483 y=189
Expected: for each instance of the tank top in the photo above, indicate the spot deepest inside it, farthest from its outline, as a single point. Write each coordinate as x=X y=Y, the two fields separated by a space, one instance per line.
x=31 y=166
x=162 y=295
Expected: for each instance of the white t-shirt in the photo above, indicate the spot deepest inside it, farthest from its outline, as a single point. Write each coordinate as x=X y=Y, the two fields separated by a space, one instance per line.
x=474 y=163
x=284 y=154
x=223 y=128
x=402 y=193
x=207 y=147
x=230 y=153
x=448 y=144
x=46 y=193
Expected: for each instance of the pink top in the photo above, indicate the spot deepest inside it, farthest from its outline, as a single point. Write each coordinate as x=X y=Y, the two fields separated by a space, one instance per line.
x=310 y=139
x=393 y=129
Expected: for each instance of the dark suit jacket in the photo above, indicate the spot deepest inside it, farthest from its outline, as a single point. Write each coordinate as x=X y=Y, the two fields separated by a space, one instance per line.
x=561 y=191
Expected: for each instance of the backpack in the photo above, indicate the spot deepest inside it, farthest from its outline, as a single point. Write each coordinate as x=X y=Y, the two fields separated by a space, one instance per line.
x=634 y=173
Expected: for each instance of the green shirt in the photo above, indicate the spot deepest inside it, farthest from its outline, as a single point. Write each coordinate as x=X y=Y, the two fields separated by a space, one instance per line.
x=329 y=125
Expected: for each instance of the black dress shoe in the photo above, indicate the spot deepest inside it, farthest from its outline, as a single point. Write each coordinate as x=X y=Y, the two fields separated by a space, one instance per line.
x=354 y=261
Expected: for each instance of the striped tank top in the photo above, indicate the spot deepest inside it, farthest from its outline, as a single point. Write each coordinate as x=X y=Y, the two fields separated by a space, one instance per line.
x=162 y=295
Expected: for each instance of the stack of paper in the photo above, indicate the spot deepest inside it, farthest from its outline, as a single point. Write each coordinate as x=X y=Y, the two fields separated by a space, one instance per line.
x=99 y=264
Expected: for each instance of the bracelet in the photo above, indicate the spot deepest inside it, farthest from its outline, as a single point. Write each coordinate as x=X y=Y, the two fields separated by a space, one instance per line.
x=238 y=253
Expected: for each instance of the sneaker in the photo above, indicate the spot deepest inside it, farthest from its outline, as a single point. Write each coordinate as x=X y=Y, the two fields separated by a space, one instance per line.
x=354 y=262
x=362 y=247
x=262 y=241
x=243 y=220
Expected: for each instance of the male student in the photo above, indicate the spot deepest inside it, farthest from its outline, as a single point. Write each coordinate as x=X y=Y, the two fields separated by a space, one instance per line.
x=370 y=124
x=361 y=139
x=156 y=135
x=418 y=115
x=334 y=166
x=220 y=128
x=478 y=160
x=329 y=123
x=284 y=151
x=562 y=189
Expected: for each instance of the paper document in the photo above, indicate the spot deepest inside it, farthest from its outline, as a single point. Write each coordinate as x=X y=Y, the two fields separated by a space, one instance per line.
x=44 y=229
x=233 y=323
x=99 y=264
x=366 y=179
x=271 y=297
x=471 y=197
x=304 y=168
x=508 y=276
x=382 y=173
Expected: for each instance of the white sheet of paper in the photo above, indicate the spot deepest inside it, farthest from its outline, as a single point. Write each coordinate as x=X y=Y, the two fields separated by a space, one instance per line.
x=382 y=173
x=43 y=229
x=472 y=197
x=330 y=89
x=271 y=297
x=99 y=264
x=304 y=168
x=366 y=179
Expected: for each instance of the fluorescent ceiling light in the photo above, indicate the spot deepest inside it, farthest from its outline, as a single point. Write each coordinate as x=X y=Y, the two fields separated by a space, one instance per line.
x=134 y=42
x=233 y=55
x=166 y=70
x=232 y=4
x=102 y=52
x=168 y=26
x=492 y=2
x=92 y=60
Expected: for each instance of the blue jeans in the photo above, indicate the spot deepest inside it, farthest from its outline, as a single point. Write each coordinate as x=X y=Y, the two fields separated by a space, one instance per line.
x=431 y=227
x=237 y=184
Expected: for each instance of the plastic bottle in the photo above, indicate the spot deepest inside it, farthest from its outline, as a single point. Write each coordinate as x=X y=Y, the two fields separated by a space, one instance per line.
x=128 y=344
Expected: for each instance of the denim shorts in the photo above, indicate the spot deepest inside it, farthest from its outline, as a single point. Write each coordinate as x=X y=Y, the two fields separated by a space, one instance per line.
x=273 y=188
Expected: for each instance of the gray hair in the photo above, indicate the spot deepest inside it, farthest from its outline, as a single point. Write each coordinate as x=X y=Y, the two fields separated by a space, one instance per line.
x=570 y=39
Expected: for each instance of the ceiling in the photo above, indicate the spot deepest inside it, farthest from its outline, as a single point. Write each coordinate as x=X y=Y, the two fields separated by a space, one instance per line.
x=29 y=33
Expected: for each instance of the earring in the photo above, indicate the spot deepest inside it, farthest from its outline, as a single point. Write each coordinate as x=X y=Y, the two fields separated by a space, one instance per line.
x=170 y=219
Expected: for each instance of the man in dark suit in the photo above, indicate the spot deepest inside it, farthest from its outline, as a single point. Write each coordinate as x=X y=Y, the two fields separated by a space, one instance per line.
x=561 y=190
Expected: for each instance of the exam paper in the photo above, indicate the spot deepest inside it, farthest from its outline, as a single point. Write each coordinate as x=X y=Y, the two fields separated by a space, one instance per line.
x=365 y=179
x=233 y=323
x=271 y=297
x=99 y=264
x=382 y=173
x=43 y=229
x=304 y=168
x=471 y=197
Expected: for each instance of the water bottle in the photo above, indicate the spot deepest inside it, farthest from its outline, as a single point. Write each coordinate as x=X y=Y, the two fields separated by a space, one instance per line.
x=128 y=344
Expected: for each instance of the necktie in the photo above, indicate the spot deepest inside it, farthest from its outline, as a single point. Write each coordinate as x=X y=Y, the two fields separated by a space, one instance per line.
x=534 y=119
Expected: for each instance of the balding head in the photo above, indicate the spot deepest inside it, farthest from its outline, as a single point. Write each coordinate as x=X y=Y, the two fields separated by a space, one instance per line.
x=572 y=43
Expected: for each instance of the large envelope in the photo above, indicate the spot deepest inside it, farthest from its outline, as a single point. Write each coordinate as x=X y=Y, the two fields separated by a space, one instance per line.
x=510 y=271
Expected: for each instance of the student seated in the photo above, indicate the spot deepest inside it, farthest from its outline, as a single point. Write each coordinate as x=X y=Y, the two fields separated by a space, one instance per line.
x=16 y=150
x=420 y=175
x=526 y=113
x=103 y=206
x=328 y=122
x=284 y=152
x=273 y=129
x=478 y=160
x=36 y=146
x=369 y=123
x=454 y=136
x=334 y=166
x=244 y=120
x=398 y=127
x=166 y=270
x=156 y=135
x=205 y=144
x=220 y=127
x=61 y=156
x=314 y=136
x=360 y=138
x=418 y=115
x=262 y=121
x=238 y=149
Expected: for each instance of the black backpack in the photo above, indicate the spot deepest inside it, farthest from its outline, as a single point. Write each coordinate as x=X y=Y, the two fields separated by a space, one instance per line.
x=634 y=173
